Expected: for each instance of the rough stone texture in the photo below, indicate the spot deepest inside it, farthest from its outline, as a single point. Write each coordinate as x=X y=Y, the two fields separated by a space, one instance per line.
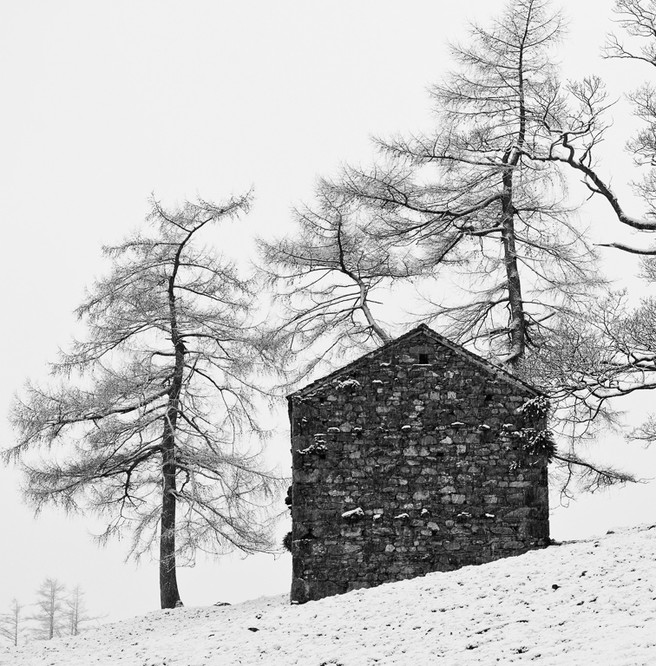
x=408 y=461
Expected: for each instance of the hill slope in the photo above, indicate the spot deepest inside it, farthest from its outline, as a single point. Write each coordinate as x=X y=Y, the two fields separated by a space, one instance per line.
x=588 y=602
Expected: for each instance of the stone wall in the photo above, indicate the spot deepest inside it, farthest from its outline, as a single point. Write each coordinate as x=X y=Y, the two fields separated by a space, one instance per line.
x=414 y=459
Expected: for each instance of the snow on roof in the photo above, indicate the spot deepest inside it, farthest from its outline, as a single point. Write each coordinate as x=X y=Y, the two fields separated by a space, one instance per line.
x=435 y=338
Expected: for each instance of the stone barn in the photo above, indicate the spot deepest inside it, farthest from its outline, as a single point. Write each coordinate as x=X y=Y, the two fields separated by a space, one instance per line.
x=417 y=457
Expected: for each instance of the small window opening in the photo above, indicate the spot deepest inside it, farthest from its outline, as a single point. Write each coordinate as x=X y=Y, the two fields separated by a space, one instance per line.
x=423 y=358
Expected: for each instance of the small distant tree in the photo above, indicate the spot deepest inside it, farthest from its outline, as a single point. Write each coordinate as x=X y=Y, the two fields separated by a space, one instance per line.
x=149 y=421
x=11 y=623
x=48 y=616
x=75 y=611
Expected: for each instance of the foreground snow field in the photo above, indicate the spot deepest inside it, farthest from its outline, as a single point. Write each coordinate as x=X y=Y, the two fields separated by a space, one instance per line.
x=580 y=603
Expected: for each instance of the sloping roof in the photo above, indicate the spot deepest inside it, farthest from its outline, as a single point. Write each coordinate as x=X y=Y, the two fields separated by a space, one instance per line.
x=435 y=337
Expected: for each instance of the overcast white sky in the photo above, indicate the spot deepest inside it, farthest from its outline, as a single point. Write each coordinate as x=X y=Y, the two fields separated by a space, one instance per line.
x=104 y=103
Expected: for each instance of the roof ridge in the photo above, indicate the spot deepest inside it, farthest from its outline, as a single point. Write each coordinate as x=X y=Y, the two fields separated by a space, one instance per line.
x=423 y=328
x=363 y=358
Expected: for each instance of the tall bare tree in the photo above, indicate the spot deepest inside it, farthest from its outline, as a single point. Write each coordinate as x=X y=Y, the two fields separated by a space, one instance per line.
x=469 y=215
x=150 y=424
x=464 y=196
x=469 y=193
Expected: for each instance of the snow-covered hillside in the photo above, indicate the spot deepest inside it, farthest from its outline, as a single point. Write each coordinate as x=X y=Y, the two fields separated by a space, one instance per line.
x=580 y=603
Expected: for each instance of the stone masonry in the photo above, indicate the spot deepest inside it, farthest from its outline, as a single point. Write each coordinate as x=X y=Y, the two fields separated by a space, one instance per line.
x=417 y=457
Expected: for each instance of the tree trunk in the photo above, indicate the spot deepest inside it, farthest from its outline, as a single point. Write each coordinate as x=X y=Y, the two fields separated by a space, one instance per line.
x=51 y=615
x=168 y=580
x=517 y=326
x=15 y=622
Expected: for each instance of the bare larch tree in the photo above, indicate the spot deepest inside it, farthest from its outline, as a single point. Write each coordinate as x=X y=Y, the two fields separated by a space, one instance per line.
x=152 y=423
x=469 y=193
x=75 y=610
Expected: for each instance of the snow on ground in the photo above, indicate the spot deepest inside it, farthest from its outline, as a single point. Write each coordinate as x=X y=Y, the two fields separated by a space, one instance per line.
x=580 y=603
